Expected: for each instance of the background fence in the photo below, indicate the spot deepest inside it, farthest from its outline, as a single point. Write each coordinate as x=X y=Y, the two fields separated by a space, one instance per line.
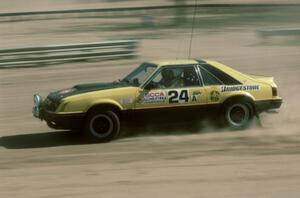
x=33 y=56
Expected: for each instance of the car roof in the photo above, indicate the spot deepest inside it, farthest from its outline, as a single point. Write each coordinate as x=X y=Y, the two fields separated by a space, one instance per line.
x=171 y=62
x=230 y=71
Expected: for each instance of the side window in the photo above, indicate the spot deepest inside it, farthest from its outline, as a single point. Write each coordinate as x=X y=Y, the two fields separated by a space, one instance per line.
x=209 y=79
x=175 y=77
x=225 y=78
x=157 y=78
x=190 y=77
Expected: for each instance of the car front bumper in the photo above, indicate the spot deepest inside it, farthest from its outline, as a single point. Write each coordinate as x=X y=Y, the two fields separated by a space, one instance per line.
x=56 y=120
x=63 y=121
x=264 y=105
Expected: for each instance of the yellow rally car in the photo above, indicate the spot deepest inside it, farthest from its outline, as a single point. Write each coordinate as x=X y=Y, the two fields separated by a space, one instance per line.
x=161 y=90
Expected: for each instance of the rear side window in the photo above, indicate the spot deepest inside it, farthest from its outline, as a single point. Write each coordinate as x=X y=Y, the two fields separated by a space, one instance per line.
x=225 y=78
x=209 y=79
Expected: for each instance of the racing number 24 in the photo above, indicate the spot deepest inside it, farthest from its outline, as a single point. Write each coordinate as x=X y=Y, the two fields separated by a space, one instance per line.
x=178 y=96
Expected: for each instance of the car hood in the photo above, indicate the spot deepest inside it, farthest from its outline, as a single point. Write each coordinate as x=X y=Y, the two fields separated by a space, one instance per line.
x=84 y=88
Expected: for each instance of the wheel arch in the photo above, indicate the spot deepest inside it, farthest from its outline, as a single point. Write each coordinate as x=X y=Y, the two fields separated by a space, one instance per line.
x=241 y=97
x=105 y=105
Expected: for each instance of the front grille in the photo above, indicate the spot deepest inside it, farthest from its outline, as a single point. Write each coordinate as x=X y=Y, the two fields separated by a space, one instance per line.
x=50 y=105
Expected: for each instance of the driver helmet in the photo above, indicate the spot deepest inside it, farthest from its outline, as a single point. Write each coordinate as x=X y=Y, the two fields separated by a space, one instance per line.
x=167 y=74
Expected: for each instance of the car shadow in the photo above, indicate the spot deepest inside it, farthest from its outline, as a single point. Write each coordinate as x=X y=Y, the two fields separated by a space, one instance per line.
x=41 y=140
x=65 y=138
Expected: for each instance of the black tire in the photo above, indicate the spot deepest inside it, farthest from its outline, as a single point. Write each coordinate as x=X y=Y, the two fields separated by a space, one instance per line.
x=102 y=126
x=238 y=114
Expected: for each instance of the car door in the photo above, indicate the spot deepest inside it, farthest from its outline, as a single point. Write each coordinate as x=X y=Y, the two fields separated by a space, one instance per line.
x=177 y=96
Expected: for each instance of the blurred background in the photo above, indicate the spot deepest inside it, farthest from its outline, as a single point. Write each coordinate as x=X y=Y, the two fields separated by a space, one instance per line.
x=254 y=36
x=71 y=21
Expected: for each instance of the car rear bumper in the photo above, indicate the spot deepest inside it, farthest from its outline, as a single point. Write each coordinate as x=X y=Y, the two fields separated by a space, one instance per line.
x=264 y=105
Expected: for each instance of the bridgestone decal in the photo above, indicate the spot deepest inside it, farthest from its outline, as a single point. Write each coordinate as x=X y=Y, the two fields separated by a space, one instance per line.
x=240 y=88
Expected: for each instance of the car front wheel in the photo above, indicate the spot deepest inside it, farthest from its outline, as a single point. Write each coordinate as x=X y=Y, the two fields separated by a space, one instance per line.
x=102 y=126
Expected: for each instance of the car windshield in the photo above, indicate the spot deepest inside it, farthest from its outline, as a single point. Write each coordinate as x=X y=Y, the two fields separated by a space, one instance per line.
x=140 y=74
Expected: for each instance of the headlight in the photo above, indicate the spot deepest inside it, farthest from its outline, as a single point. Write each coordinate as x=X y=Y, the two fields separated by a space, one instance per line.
x=37 y=99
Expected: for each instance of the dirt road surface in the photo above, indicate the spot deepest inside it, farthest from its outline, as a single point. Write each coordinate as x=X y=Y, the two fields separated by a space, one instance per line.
x=260 y=162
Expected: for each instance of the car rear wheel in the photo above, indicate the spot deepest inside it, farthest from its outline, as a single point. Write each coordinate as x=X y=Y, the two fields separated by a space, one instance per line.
x=238 y=115
x=102 y=126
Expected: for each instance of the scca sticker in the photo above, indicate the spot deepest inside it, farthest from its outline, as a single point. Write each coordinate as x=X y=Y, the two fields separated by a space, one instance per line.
x=240 y=88
x=178 y=96
x=154 y=97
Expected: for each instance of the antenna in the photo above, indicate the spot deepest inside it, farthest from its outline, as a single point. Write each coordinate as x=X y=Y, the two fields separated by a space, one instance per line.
x=192 y=32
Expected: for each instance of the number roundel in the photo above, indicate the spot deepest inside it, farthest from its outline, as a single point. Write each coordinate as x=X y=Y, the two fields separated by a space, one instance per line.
x=178 y=96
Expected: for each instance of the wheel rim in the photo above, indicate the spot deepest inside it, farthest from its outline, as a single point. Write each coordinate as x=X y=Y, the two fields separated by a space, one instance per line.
x=238 y=115
x=101 y=125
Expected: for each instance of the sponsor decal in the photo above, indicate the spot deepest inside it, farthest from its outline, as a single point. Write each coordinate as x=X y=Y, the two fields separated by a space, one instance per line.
x=178 y=96
x=154 y=97
x=214 y=96
x=194 y=96
x=195 y=93
x=126 y=101
x=240 y=88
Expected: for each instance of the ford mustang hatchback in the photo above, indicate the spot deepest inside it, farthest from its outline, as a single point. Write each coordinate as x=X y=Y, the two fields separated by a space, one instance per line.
x=159 y=89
